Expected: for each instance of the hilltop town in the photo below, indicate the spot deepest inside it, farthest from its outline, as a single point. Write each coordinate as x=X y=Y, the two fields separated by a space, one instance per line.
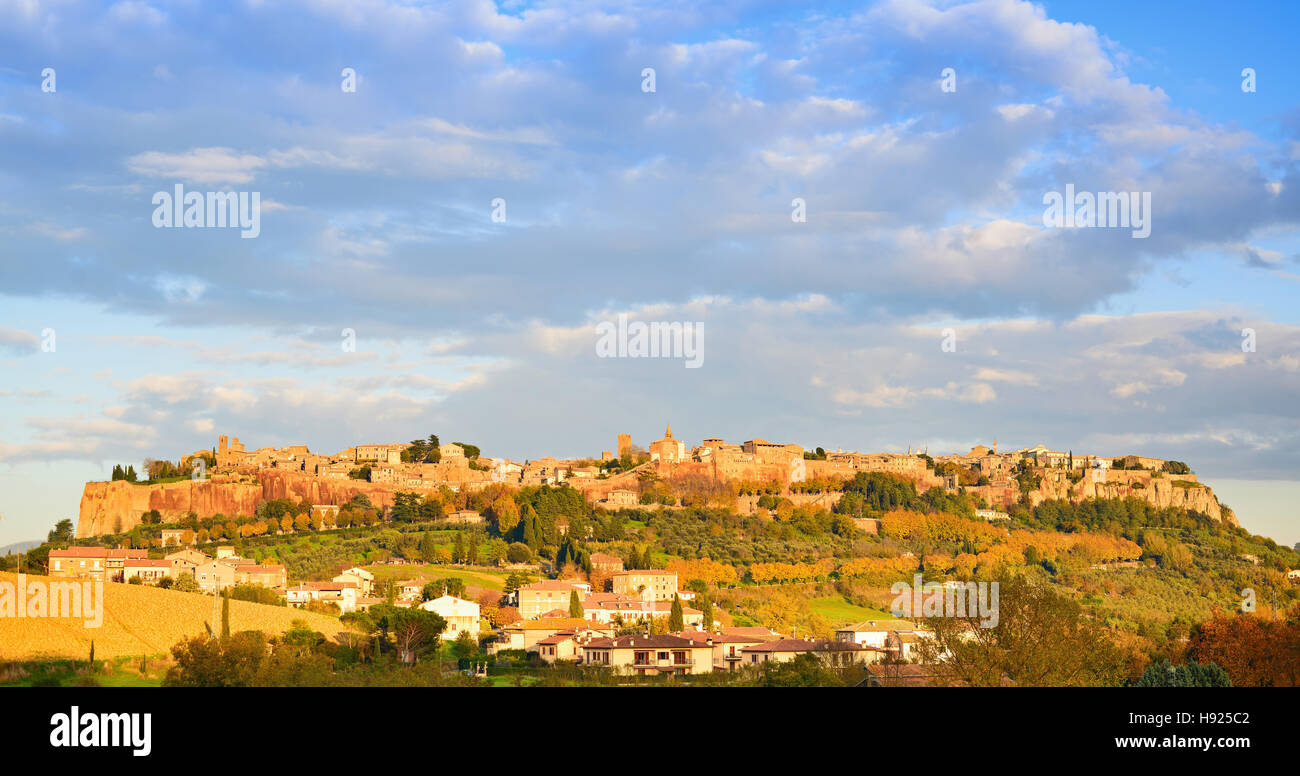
x=232 y=480
x=705 y=561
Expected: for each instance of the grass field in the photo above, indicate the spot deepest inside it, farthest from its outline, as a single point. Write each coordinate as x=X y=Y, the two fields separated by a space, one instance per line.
x=482 y=577
x=840 y=612
x=120 y=672
x=139 y=620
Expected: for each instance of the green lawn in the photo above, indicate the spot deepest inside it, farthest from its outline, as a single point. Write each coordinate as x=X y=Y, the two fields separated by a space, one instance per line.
x=840 y=612
x=508 y=680
x=122 y=672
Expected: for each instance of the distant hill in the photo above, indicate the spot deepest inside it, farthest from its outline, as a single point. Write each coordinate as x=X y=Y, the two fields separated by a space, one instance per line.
x=19 y=547
x=142 y=620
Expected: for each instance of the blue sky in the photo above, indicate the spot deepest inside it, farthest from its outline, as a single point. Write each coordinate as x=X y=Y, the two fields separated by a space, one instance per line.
x=924 y=211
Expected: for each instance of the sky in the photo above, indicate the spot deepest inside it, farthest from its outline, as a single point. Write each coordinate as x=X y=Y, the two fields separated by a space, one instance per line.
x=502 y=180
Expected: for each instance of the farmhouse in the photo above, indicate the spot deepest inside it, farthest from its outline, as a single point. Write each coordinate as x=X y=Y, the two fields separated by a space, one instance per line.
x=461 y=616
x=541 y=597
x=148 y=571
x=840 y=653
x=649 y=655
x=661 y=585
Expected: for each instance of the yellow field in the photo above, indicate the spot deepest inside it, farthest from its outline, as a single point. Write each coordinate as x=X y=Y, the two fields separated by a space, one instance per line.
x=140 y=620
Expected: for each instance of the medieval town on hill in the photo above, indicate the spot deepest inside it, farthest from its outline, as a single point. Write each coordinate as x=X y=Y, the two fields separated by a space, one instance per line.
x=577 y=583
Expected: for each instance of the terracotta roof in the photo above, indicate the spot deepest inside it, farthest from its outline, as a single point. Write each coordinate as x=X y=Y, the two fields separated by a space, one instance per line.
x=554 y=584
x=805 y=645
x=761 y=633
x=78 y=552
x=553 y=623
x=640 y=641
x=718 y=638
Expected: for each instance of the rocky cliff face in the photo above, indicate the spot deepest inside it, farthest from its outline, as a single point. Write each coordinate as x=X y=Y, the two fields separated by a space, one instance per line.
x=112 y=507
x=1159 y=491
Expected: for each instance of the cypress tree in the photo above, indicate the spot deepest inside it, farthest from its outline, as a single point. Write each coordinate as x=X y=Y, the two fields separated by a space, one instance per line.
x=675 y=617
x=575 y=606
x=529 y=536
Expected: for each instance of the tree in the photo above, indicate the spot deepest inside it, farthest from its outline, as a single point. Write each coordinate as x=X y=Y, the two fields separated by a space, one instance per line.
x=519 y=552
x=513 y=583
x=1253 y=650
x=575 y=606
x=675 y=616
x=414 y=632
x=806 y=670
x=706 y=610
x=1164 y=674
x=504 y=514
x=206 y=662
x=465 y=646
x=62 y=532
x=1040 y=639
x=428 y=548
x=186 y=583
x=225 y=614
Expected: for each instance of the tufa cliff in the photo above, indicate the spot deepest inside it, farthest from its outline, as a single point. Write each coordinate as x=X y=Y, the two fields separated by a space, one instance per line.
x=113 y=507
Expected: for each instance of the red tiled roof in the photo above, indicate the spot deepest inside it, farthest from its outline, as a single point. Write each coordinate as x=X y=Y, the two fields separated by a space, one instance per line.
x=804 y=645
x=640 y=641
x=553 y=584
x=79 y=552
x=701 y=637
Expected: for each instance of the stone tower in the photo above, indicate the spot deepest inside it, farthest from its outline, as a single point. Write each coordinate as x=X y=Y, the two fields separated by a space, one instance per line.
x=624 y=445
x=223 y=444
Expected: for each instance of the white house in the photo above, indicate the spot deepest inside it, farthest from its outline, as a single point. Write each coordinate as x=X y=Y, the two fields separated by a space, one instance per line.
x=364 y=580
x=342 y=594
x=872 y=633
x=461 y=615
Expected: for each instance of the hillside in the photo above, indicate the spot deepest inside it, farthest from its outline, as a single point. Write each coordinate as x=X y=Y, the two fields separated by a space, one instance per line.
x=20 y=546
x=140 y=620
